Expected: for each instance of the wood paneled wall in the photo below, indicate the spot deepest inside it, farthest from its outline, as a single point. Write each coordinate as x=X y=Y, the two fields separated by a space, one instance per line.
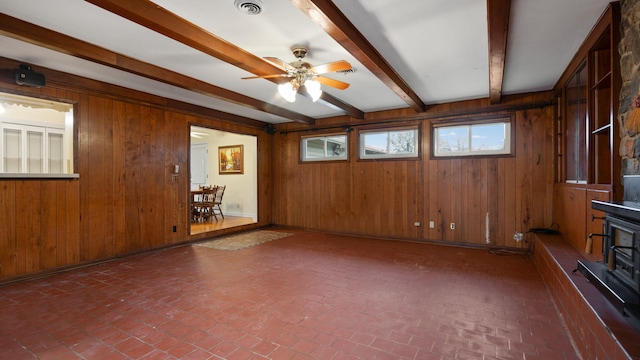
x=125 y=199
x=385 y=198
x=40 y=225
x=575 y=217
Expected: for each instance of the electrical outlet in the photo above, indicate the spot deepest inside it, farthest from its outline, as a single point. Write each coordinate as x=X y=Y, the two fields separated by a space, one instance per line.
x=175 y=228
x=452 y=226
x=517 y=236
x=416 y=224
x=432 y=224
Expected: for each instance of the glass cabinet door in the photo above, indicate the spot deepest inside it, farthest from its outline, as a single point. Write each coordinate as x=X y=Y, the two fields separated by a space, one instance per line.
x=31 y=149
x=35 y=149
x=11 y=149
x=55 y=151
x=576 y=127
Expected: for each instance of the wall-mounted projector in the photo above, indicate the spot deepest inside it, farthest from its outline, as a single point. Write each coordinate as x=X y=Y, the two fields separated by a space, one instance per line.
x=27 y=77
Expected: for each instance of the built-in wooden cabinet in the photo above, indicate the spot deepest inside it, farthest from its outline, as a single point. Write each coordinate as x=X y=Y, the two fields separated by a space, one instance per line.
x=588 y=163
x=602 y=109
x=31 y=149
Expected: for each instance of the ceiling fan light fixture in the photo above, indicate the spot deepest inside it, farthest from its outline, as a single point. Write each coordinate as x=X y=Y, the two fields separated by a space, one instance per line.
x=249 y=7
x=313 y=88
x=287 y=91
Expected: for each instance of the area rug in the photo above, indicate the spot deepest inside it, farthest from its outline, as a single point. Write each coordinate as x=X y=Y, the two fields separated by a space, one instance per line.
x=242 y=241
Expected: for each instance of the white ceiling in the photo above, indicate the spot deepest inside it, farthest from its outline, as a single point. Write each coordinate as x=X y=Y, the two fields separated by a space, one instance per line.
x=438 y=47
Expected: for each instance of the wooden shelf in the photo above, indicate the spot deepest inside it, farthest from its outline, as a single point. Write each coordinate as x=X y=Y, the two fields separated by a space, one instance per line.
x=603 y=83
x=602 y=130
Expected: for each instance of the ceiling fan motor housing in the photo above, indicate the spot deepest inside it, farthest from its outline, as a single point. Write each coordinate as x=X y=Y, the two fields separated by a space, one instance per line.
x=299 y=51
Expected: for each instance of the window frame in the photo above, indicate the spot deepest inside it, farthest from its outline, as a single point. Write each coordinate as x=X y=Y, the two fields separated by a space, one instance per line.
x=471 y=122
x=67 y=131
x=416 y=155
x=303 y=148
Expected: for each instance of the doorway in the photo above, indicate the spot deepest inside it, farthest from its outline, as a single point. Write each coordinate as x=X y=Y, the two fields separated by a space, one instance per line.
x=199 y=166
x=239 y=205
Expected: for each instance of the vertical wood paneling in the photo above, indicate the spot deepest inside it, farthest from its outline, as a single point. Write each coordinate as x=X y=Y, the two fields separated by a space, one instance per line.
x=495 y=201
x=510 y=216
x=523 y=175
x=544 y=151
x=40 y=225
x=457 y=201
x=134 y=189
x=151 y=184
x=83 y=164
x=418 y=211
x=444 y=201
x=62 y=237
x=69 y=225
x=174 y=187
x=28 y=226
x=570 y=213
x=125 y=199
x=387 y=197
x=119 y=166
x=49 y=221
x=430 y=200
x=8 y=238
x=146 y=185
x=97 y=192
x=108 y=176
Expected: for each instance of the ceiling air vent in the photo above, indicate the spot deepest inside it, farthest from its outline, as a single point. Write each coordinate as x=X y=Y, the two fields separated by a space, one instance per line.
x=249 y=7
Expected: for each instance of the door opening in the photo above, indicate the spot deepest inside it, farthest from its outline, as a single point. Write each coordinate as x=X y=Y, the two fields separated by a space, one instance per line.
x=209 y=167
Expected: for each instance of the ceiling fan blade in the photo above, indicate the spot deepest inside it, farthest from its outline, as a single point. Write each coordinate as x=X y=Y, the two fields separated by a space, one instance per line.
x=341 y=65
x=340 y=85
x=280 y=63
x=267 y=76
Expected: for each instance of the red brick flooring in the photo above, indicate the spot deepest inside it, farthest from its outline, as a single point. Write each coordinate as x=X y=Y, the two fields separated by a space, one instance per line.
x=307 y=296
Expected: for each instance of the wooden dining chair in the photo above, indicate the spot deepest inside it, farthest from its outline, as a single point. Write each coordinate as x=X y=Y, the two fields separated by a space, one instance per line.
x=218 y=201
x=207 y=202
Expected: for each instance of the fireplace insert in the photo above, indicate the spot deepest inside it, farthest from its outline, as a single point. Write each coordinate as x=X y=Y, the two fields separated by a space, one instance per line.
x=621 y=250
x=617 y=276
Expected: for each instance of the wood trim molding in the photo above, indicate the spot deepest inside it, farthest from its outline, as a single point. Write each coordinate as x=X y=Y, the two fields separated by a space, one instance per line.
x=153 y=17
x=37 y=35
x=498 y=26
x=64 y=81
x=335 y=23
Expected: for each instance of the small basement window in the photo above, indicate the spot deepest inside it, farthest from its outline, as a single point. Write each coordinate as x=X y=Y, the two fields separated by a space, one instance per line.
x=473 y=138
x=389 y=143
x=323 y=148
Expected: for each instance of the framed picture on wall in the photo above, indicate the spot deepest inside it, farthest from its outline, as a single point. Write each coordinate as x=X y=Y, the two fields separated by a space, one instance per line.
x=231 y=159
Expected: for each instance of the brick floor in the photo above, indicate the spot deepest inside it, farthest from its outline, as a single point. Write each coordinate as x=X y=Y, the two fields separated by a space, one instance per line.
x=306 y=296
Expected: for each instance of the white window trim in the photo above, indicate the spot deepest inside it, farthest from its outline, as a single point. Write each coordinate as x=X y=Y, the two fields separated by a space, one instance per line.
x=303 y=148
x=506 y=151
x=412 y=155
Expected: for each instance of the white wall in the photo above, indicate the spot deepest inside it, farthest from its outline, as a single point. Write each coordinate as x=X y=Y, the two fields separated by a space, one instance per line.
x=241 y=193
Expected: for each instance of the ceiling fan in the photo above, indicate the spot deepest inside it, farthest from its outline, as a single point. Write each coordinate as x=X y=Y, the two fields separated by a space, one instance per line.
x=303 y=74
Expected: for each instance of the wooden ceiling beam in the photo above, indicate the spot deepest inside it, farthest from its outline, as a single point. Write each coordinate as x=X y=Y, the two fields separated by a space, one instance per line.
x=160 y=20
x=37 y=35
x=498 y=27
x=327 y=15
